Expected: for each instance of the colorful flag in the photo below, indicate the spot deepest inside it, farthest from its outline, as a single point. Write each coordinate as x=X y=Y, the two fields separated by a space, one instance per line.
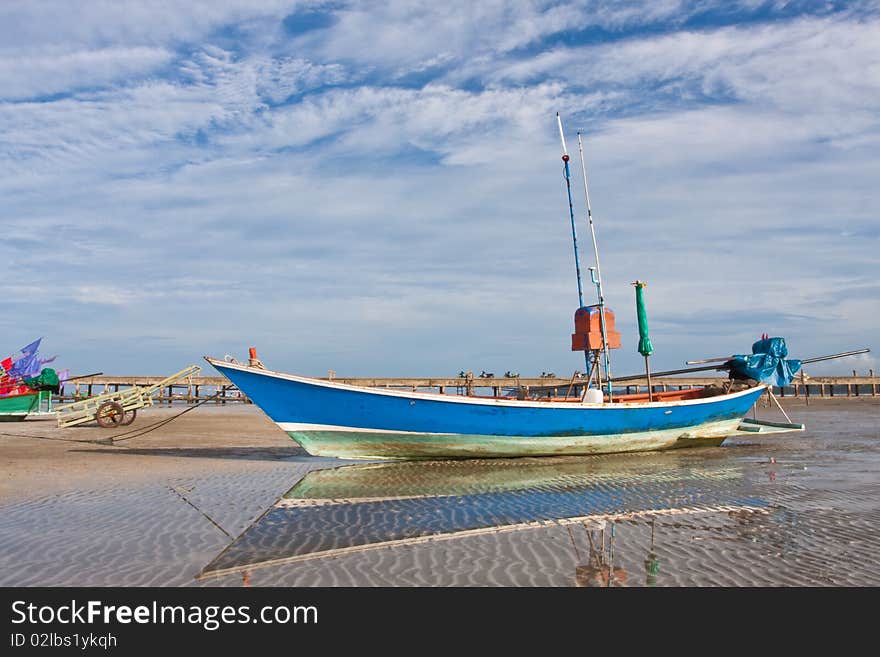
x=25 y=361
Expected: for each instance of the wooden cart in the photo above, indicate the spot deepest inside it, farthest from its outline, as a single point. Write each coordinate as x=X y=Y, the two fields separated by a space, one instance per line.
x=113 y=409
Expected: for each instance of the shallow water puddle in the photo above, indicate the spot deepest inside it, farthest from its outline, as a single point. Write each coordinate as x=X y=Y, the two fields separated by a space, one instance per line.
x=353 y=508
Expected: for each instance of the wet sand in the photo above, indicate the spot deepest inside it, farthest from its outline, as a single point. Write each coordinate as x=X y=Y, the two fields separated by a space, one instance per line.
x=222 y=486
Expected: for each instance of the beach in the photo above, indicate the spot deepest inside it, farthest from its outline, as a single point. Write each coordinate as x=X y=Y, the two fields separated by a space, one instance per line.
x=220 y=496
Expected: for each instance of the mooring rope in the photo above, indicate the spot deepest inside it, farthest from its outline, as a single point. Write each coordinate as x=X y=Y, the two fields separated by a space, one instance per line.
x=156 y=425
x=119 y=437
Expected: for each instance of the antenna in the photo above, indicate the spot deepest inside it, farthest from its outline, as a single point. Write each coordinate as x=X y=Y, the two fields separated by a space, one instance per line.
x=597 y=278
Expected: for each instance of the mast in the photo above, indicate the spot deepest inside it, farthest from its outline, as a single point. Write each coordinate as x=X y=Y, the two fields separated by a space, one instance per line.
x=574 y=239
x=577 y=262
x=597 y=281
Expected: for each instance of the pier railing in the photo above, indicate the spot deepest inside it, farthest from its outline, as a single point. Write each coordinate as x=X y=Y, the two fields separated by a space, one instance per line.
x=219 y=390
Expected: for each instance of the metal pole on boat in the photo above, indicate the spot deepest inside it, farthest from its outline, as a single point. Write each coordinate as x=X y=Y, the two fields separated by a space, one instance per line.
x=807 y=360
x=574 y=239
x=726 y=366
x=597 y=281
x=832 y=356
x=577 y=262
x=706 y=368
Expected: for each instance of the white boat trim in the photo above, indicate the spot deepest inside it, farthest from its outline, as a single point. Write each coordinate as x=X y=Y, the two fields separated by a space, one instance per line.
x=463 y=399
x=303 y=426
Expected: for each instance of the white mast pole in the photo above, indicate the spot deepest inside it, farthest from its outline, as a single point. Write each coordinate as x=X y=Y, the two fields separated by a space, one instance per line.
x=598 y=281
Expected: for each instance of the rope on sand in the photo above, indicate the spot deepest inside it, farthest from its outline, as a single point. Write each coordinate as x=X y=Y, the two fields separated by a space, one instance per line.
x=119 y=437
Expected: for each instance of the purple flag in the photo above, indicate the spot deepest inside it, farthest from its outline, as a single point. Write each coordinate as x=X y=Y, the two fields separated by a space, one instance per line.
x=24 y=362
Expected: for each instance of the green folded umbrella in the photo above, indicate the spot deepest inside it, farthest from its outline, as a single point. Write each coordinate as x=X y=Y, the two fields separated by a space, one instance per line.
x=645 y=346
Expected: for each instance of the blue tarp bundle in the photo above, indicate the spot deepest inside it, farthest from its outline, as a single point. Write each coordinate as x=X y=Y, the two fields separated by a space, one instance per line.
x=767 y=363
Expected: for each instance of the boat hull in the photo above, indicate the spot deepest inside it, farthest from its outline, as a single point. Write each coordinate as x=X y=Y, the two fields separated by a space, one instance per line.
x=333 y=419
x=17 y=407
x=354 y=444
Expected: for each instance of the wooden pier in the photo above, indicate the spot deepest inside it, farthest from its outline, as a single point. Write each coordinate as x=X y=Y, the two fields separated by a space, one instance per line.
x=219 y=390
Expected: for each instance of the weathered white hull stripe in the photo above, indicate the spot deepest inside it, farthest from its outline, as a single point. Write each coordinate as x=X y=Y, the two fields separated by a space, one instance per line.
x=302 y=426
x=707 y=430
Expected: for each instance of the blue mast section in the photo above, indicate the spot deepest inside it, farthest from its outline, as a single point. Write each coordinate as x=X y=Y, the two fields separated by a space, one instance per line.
x=577 y=261
x=574 y=238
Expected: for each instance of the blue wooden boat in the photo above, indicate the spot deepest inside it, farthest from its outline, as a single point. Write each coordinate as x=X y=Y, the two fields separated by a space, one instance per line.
x=334 y=419
x=328 y=418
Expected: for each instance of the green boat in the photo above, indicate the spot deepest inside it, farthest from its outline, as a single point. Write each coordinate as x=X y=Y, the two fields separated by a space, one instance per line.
x=25 y=386
x=15 y=408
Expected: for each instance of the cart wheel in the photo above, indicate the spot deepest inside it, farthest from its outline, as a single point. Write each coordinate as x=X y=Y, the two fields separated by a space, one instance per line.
x=110 y=414
x=129 y=417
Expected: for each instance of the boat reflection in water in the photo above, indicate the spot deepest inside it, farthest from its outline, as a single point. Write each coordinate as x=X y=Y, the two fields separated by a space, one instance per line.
x=353 y=508
x=596 y=567
x=595 y=564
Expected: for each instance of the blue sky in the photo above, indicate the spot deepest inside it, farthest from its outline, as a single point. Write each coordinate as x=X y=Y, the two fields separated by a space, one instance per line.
x=376 y=187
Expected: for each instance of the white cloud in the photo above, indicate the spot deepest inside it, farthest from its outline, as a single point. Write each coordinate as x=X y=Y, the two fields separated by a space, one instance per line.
x=814 y=65
x=104 y=294
x=29 y=25
x=733 y=168
x=30 y=75
x=404 y=36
